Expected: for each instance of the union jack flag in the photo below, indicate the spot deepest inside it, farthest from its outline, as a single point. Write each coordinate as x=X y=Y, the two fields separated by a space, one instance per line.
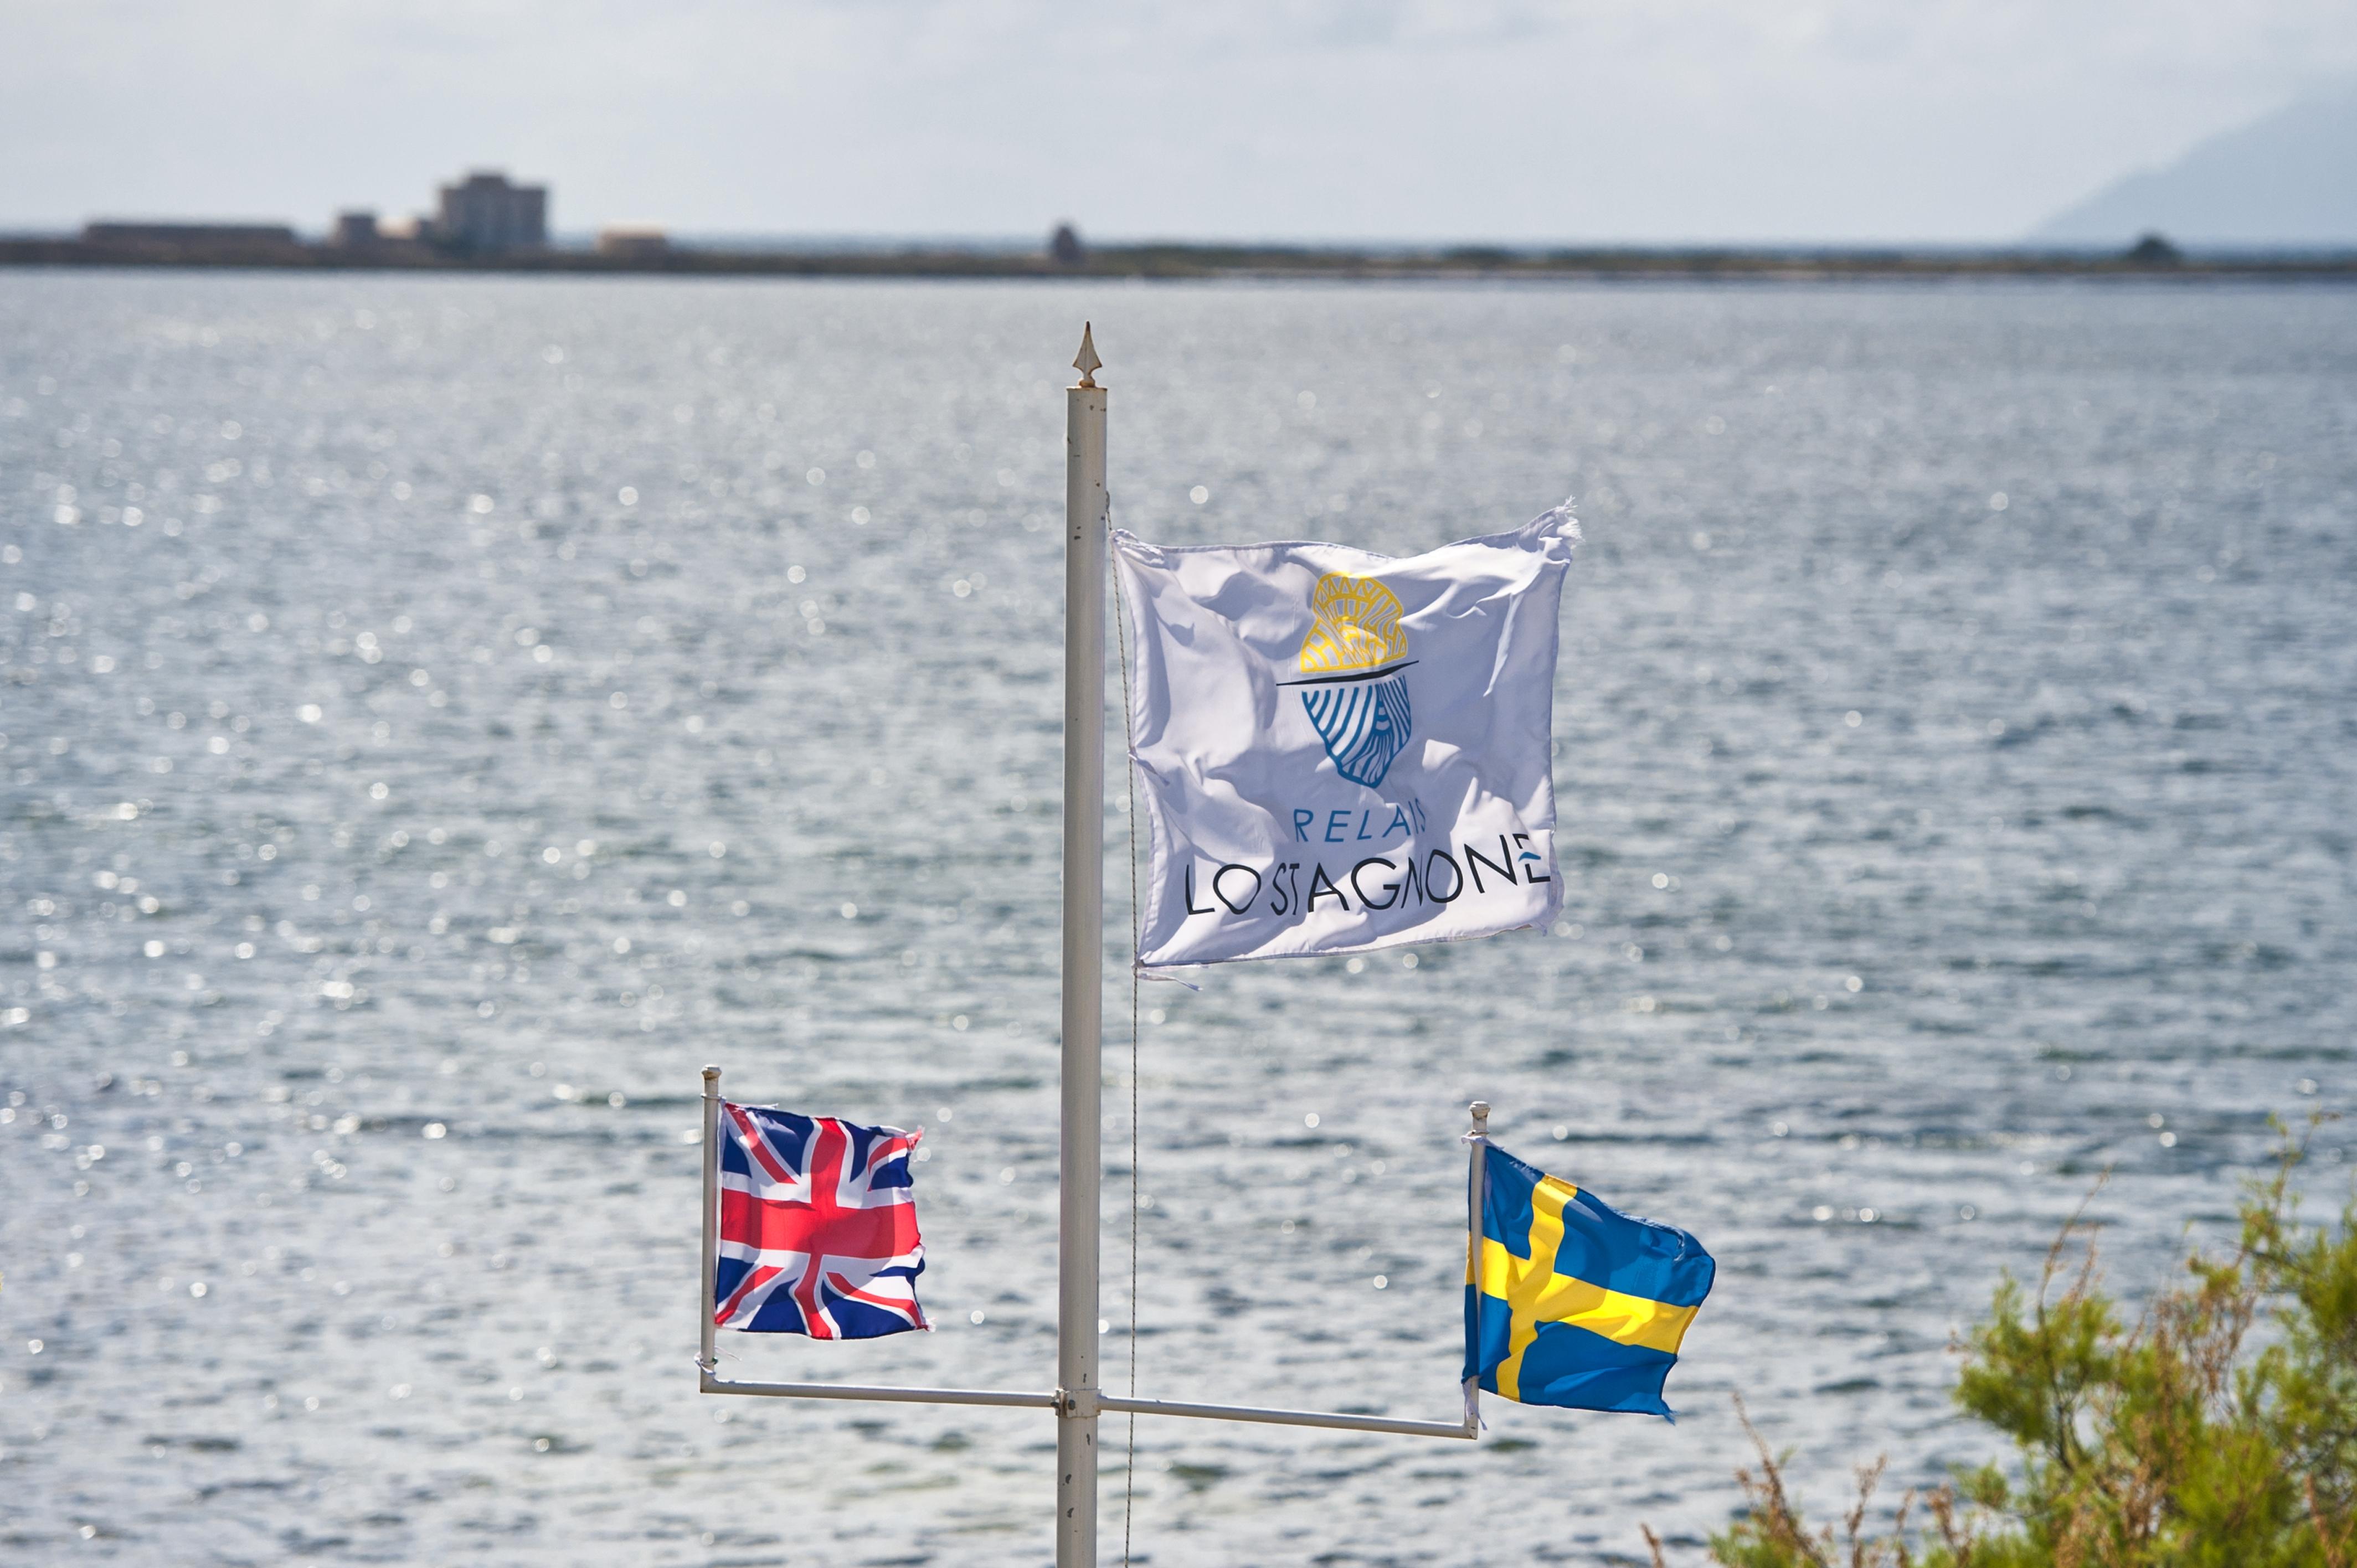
x=818 y=1226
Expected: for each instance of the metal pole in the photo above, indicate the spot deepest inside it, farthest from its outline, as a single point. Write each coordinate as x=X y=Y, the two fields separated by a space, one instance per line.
x=1287 y=1417
x=1476 y=1170
x=1087 y=513
x=704 y=1306
x=1012 y=1398
x=1021 y=1398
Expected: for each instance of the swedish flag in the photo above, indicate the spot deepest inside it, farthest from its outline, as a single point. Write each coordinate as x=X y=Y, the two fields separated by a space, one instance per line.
x=1568 y=1302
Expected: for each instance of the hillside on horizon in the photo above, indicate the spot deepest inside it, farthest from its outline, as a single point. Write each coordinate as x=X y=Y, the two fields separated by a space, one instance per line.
x=2287 y=178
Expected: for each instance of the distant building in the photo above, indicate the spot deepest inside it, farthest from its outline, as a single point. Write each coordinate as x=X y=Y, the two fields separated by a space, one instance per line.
x=191 y=236
x=633 y=242
x=356 y=229
x=1064 y=246
x=484 y=212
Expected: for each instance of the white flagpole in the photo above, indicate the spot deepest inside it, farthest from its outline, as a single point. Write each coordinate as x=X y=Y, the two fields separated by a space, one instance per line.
x=704 y=1304
x=1087 y=513
x=1476 y=1169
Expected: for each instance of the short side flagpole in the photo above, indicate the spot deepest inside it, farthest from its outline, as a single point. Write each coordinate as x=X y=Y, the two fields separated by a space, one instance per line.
x=705 y=1307
x=1476 y=1170
x=1087 y=512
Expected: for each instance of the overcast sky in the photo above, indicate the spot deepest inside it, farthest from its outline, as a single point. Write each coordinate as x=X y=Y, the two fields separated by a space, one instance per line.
x=1518 y=120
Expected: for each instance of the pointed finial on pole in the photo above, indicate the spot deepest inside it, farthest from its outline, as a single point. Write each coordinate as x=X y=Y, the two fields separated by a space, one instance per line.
x=1086 y=360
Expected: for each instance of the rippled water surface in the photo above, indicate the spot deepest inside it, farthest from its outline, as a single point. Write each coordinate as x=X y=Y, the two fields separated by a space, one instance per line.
x=441 y=715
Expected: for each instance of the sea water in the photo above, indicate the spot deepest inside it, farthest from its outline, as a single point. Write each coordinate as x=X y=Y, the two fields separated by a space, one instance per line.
x=441 y=714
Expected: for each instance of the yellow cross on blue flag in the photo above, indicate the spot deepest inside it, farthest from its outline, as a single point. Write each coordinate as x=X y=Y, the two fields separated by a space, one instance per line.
x=1569 y=1302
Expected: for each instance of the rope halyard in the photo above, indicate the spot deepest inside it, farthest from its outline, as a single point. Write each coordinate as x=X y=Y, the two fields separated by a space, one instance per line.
x=1129 y=779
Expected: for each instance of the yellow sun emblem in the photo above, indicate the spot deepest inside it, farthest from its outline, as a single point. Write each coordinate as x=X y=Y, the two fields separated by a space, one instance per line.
x=1355 y=625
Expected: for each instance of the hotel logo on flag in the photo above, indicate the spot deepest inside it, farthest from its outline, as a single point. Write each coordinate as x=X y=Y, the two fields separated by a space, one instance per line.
x=1354 y=676
x=1340 y=750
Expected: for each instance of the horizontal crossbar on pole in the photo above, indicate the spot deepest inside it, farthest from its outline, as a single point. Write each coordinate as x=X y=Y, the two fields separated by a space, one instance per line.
x=712 y=1385
x=1287 y=1417
x=1012 y=1398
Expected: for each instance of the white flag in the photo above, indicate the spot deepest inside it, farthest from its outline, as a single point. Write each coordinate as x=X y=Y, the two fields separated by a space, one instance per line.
x=1341 y=750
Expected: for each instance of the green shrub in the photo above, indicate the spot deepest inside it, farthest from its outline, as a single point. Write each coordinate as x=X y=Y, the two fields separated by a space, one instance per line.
x=2181 y=1439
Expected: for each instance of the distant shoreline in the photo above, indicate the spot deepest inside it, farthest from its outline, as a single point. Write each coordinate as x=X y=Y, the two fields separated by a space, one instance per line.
x=1181 y=262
